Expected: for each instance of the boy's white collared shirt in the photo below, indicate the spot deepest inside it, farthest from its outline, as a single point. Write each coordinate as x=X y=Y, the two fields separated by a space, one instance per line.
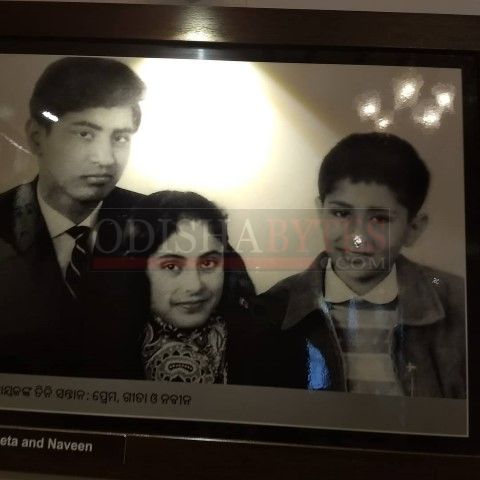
x=58 y=225
x=336 y=291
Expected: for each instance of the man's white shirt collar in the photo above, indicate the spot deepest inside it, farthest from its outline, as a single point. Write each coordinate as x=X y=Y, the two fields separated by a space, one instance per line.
x=57 y=224
x=337 y=292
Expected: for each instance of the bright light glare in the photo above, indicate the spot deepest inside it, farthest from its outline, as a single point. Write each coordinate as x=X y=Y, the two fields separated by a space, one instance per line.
x=14 y=143
x=206 y=126
x=444 y=96
x=198 y=36
x=431 y=117
x=369 y=109
x=368 y=105
x=428 y=114
x=408 y=90
x=444 y=99
x=383 y=123
x=50 y=116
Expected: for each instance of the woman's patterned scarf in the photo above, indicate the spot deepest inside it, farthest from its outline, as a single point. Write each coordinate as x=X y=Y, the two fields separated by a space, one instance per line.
x=171 y=354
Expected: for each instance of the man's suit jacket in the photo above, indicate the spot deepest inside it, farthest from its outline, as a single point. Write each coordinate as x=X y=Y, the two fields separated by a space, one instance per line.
x=43 y=329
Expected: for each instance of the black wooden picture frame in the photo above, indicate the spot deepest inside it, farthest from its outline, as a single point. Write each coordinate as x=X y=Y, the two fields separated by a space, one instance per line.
x=127 y=447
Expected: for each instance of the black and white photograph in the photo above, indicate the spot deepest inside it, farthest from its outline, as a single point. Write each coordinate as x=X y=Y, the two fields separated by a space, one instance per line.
x=264 y=243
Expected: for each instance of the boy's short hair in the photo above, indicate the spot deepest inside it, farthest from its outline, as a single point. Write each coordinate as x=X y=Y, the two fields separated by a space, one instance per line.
x=73 y=84
x=380 y=158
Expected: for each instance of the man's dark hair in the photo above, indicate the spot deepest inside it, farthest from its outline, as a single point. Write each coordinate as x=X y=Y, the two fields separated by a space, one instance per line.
x=379 y=158
x=73 y=84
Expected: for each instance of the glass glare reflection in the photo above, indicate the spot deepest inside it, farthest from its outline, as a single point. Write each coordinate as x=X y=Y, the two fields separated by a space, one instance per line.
x=406 y=89
x=383 y=122
x=368 y=105
x=444 y=95
x=428 y=114
x=425 y=112
x=50 y=116
x=193 y=125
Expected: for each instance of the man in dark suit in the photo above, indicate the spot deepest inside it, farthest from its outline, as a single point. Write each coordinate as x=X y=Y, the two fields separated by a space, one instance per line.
x=63 y=313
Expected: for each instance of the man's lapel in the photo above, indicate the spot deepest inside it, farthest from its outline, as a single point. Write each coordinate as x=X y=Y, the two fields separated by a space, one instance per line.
x=28 y=223
x=30 y=230
x=32 y=238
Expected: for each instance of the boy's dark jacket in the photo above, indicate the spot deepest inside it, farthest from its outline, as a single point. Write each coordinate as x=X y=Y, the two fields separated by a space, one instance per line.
x=428 y=346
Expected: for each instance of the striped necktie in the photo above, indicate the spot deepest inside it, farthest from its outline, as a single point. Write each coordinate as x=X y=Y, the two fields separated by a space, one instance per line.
x=78 y=265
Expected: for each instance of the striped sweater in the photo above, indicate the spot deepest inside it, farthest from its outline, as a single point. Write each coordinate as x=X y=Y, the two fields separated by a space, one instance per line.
x=365 y=332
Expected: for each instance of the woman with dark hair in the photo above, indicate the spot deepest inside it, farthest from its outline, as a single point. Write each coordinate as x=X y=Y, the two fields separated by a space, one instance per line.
x=197 y=289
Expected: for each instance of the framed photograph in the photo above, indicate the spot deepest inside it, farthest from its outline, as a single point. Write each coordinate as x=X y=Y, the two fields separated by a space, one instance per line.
x=220 y=236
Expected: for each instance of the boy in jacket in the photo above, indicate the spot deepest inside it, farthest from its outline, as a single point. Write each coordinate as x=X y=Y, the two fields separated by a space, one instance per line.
x=363 y=318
